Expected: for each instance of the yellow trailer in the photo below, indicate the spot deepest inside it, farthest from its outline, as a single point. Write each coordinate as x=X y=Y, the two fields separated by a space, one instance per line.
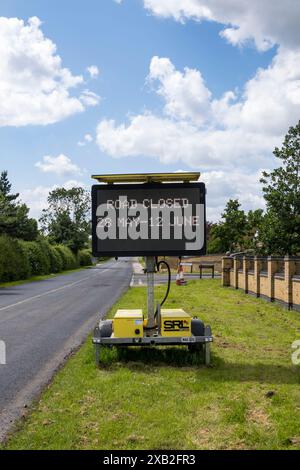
x=149 y=219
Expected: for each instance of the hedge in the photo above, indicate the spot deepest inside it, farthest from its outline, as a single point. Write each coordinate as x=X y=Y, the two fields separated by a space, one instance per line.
x=14 y=262
x=69 y=260
x=84 y=258
x=20 y=259
x=55 y=260
x=37 y=256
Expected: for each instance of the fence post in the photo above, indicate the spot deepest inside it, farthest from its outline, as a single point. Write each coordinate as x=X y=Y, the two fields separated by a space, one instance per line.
x=245 y=272
x=257 y=269
x=272 y=268
x=226 y=266
x=236 y=265
x=289 y=271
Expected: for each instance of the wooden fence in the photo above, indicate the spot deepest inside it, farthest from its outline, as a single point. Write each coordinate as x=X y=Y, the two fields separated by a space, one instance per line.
x=276 y=279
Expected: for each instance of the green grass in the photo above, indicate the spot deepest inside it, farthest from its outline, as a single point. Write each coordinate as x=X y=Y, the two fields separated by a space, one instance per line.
x=40 y=278
x=166 y=399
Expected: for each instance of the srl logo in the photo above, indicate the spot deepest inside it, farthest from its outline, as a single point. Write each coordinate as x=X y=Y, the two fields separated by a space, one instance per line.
x=176 y=325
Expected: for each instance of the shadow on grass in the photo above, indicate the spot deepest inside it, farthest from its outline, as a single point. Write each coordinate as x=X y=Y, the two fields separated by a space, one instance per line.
x=261 y=372
x=219 y=371
x=137 y=357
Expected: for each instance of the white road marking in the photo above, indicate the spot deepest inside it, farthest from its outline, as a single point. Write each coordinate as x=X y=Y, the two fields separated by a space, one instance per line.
x=50 y=291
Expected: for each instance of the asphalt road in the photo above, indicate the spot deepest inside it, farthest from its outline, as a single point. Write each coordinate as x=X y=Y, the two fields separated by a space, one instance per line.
x=42 y=322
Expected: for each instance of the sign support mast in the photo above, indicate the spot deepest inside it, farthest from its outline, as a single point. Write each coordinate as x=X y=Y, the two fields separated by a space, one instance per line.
x=150 y=270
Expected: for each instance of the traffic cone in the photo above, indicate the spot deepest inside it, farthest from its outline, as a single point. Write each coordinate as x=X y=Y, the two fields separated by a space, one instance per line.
x=180 y=281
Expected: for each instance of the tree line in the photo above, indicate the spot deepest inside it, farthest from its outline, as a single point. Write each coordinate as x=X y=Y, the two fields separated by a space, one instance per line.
x=61 y=243
x=275 y=231
x=62 y=238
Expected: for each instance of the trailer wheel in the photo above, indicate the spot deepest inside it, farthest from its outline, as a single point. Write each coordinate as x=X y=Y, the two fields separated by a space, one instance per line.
x=105 y=328
x=197 y=326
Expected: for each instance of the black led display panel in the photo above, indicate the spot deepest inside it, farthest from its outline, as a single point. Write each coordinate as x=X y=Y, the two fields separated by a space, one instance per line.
x=149 y=219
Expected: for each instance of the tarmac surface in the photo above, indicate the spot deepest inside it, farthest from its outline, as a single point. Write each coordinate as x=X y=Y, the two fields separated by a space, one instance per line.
x=41 y=323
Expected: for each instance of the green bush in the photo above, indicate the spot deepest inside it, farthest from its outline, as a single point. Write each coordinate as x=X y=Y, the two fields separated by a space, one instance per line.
x=84 y=258
x=21 y=259
x=68 y=258
x=14 y=262
x=51 y=252
x=46 y=250
x=38 y=256
x=56 y=260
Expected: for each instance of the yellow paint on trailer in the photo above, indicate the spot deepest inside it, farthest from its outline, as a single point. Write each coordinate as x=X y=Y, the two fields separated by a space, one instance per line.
x=175 y=322
x=128 y=324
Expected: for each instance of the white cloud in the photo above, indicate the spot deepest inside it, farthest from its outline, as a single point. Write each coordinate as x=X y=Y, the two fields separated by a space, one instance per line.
x=266 y=22
x=89 y=98
x=93 y=71
x=34 y=85
x=231 y=138
x=73 y=184
x=60 y=165
x=235 y=134
x=185 y=94
x=181 y=141
x=36 y=198
x=87 y=139
x=211 y=133
x=271 y=99
x=180 y=10
x=223 y=185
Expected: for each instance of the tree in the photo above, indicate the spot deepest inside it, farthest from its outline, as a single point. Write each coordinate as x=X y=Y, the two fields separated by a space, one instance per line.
x=228 y=235
x=209 y=226
x=67 y=219
x=281 y=228
x=14 y=220
x=255 y=221
x=5 y=188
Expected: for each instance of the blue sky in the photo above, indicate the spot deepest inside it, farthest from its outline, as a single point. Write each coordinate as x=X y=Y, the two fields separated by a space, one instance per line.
x=121 y=40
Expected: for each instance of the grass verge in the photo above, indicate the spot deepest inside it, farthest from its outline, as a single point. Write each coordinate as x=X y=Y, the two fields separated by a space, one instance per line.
x=166 y=399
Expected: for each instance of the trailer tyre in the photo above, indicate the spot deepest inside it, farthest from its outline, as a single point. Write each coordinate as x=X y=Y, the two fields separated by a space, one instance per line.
x=198 y=328
x=105 y=328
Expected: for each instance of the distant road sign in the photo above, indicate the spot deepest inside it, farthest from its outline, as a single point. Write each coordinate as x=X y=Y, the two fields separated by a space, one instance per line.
x=149 y=219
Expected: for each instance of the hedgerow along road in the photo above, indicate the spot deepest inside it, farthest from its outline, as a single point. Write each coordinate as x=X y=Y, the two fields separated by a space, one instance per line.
x=42 y=322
